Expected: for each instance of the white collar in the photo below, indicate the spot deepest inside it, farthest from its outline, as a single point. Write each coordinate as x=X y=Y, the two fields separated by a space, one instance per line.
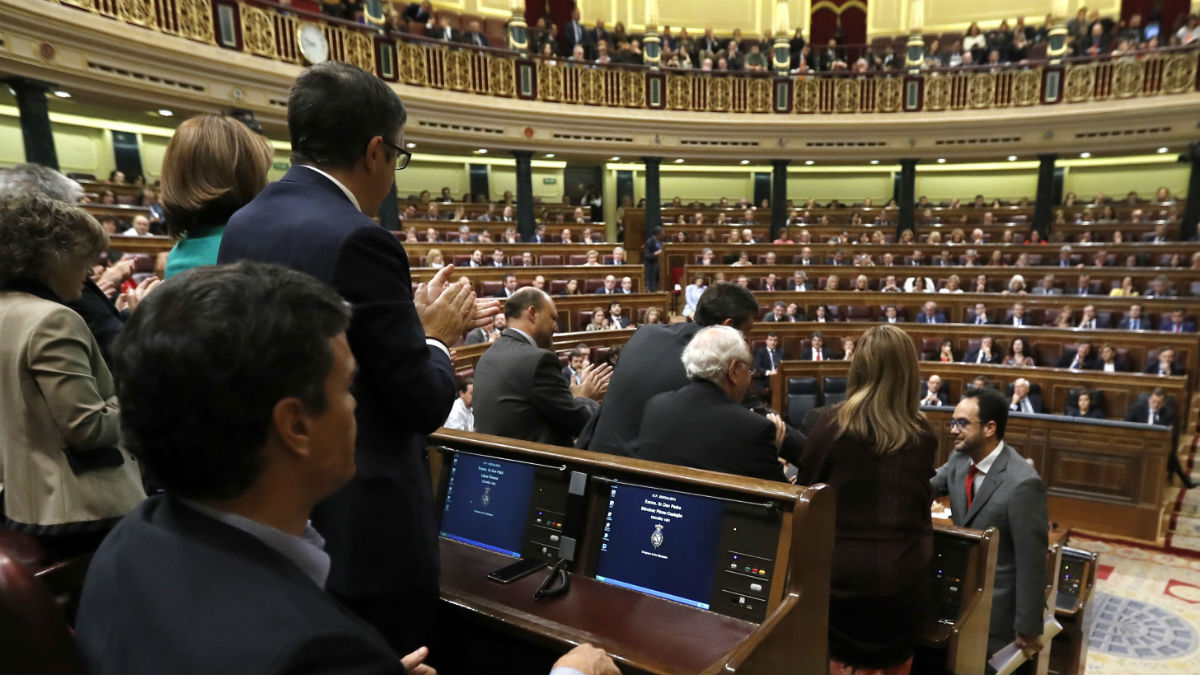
x=984 y=465
x=345 y=190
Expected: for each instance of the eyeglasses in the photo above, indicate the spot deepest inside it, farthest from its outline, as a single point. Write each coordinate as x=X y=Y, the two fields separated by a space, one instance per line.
x=960 y=423
x=402 y=156
x=754 y=372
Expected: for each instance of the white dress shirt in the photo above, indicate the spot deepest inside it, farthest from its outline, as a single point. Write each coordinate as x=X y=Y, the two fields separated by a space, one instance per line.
x=983 y=466
x=461 y=417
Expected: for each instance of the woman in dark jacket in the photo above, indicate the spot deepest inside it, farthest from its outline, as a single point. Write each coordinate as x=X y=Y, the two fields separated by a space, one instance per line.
x=877 y=451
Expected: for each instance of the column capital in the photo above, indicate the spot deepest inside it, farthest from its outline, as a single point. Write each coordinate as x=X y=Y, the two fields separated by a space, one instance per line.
x=909 y=161
x=652 y=160
x=523 y=154
x=780 y=162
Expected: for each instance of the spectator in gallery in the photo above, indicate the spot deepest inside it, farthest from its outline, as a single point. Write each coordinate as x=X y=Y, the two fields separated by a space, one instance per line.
x=946 y=351
x=778 y=313
x=435 y=259
x=1081 y=358
x=461 y=417
x=985 y=353
x=891 y=315
x=821 y=315
x=1177 y=323
x=1126 y=289
x=1083 y=407
x=1165 y=364
x=952 y=285
x=933 y=393
x=599 y=320
x=1018 y=354
x=572 y=287
x=847 y=348
x=877 y=448
x=1109 y=360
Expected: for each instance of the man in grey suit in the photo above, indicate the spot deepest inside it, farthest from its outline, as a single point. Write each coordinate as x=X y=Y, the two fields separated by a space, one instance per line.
x=990 y=485
x=519 y=388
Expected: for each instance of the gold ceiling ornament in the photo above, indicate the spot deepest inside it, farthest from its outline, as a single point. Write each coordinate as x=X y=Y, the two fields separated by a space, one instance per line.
x=1080 y=82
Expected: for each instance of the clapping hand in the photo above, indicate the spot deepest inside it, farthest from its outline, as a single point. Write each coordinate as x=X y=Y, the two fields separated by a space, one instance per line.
x=593 y=381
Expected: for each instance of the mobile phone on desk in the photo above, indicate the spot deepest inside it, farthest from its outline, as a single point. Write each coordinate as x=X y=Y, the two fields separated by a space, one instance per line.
x=521 y=568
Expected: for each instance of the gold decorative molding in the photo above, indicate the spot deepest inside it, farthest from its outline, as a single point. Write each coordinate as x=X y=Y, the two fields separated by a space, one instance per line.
x=258 y=31
x=981 y=90
x=1027 y=87
x=889 y=95
x=139 y=12
x=500 y=77
x=1179 y=73
x=719 y=94
x=845 y=96
x=195 y=19
x=1080 y=82
x=633 y=89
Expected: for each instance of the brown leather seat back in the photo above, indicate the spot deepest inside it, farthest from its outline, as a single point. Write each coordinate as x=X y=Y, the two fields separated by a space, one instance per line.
x=35 y=637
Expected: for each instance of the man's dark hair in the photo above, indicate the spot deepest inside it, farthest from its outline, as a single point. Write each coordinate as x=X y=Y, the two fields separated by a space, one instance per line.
x=522 y=300
x=463 y=383
x=725 y=301
x=993 y=407
x=780 y=303
x=335 y=109
x=1158 y=391
x=205 y=359
x=508 y=275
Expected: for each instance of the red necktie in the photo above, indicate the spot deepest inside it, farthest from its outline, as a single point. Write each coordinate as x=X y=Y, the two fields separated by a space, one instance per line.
x=971 y=473
x=1178 y=328
x=818 y=353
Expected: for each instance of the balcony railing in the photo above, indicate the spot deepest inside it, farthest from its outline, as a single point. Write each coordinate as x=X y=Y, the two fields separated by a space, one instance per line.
x=269 y=31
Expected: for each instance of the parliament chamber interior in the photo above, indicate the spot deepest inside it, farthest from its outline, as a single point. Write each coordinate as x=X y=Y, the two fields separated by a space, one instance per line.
x=616 y=295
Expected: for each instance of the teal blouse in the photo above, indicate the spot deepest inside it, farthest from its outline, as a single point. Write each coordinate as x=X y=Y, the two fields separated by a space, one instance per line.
x=197 y=248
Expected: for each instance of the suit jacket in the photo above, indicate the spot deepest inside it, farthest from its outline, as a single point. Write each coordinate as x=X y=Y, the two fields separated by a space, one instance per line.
x=942 y=394
x=380 y=528
x=1169 y=326
x=1012 y=499
x=762 y=359
x=973 y=356
x=477 y=336
x=650 y=364
x=1067 y=358
x=937 y=318
x=619 y=321
x=806 y=355
x=1092 y=413
x=1140 y=412
x=474 y=38
x=101 y=315
x=1127 y=324
x=1035 y=402
x=56 y=393
x=698 y=426
x=520 y=393
x=164 y=556
x=769 y=317
x=1152 y=369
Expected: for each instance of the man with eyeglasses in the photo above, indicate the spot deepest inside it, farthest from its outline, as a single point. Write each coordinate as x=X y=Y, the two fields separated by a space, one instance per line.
x=991 y=485
x=347 y=135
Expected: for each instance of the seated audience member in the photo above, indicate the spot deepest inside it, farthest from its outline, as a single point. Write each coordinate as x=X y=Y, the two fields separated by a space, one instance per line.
x=139 y=227
x=847 y=348
x=946 y=351
x=1016 y=315
x=691 y=296
x=653 y=315
x=817 y=351
x=891 y=315
x=778 y=313
x=497 y=258
x=1160 y=287
x=889 y=283
x=929 y=314
x=1109 y=361
x=486 y=333
x=213 y=166
x=1133 y=319
x=933 y=393
x=703 y=425
x=952 y=285
x=653 y=365
x=240 y=486
x=1063 y=320
x=877 y=450
x=573 y=371
x=521 y=392
x=435 y=259
x=1087 y=320
x=1165 y=365
x=572 y=287
x=461 y=416
x=1084 y=408
x=1023 y=400
x=1157 y=410
x=821 y=315
x=67 y=479
x=766 y=361
x=508 y=286
x=986 y=353
x=609 y=287
x=798 y=282
x=1079 y=359
x=1017 y=354
x=626 y=285
x=979 y=315
x=618 y=256
x=616 y=317
x=1175 y=323
x=599 y=320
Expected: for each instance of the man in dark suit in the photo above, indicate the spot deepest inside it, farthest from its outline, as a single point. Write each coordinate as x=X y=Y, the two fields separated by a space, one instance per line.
x=1176 y=323
x=420 y=12
x=934 y=393
x=616 y=316
x=1165 y=365
x=650 y=364
x=798 y=282
x=766 y=362
x=817 y=351
x=573 y=32
x=778 y=313
x=519 y=389
x=1133 y=320
x=444 y=31
x=1080 y=359
x=1157 y=410
x=240 y=485
x=702 y=424
x=1016 y=315
x=573 y=371
x=891 y=315
x=474 y=35
x=986 y=353
x=1023 y=400
x=509 y=287
x=594 y=36
x=609 y=287
x=929 y=314
x=991 y=485
x=486 y=333
x=381 y=533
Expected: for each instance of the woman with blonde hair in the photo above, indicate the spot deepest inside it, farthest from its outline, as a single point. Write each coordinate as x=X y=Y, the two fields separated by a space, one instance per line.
x=877 y=450
x=435 y=259
x=213 y=166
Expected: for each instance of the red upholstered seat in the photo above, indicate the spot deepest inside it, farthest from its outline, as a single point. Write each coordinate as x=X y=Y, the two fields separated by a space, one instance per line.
x=550 y=260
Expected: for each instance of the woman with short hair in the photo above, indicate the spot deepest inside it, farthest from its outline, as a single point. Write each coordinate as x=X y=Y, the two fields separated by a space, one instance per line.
x=67 y=480
x=213 y=166
x=877 y=451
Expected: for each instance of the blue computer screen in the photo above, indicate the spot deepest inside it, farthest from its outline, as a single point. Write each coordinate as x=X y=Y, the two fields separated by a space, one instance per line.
x=487 y=502
x=661 y=542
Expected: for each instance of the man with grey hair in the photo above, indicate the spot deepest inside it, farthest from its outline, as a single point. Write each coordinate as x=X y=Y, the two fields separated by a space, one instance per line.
x=25 y=179
x=703 y=424
x=1023 y=400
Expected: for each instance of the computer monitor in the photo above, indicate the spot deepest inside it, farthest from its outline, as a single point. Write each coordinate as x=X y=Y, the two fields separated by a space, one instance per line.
x=513 y=508
x=710 y=553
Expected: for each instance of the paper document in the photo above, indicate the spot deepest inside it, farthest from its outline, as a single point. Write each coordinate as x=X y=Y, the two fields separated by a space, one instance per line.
x=1010 y=657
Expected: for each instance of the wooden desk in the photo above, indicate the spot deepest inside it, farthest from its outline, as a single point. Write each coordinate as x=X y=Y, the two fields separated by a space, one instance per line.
x=1074 y=610
x=122 y=212
x=566 y=253
x=820 y=234
x=488 y=280
x=448 y=228
x=149 y=245
x=964 y=568
x=630 y=625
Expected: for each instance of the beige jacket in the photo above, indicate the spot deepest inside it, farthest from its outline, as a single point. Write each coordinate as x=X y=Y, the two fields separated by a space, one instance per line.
x=56 y=392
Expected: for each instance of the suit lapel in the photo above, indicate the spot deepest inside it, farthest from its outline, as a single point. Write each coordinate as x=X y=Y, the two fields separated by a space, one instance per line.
x=991 y=482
